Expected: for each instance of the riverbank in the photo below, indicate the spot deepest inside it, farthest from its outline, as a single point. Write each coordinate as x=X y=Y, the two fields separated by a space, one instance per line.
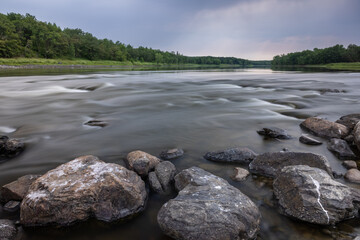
x=353 y=66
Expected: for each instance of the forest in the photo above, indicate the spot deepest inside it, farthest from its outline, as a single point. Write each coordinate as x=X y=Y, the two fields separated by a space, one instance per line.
x=334 y=54
x=25 y=36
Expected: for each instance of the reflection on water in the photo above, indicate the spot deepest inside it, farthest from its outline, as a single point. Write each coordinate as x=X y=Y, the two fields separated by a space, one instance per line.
x=198 y=111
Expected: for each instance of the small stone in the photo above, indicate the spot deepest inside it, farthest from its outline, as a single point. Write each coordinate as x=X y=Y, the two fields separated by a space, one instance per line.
x=10 y=148
x=154 y=183
x=7 y=229
x=337 y=175
x=238 y=155
x=349 y=164
x=12 y=206
x=305 y=139
x=141 y=162
x=341 y=149
x=353 y=175
x=240 y=174
x=274 y=132
x=171 y=153
x=96 y=123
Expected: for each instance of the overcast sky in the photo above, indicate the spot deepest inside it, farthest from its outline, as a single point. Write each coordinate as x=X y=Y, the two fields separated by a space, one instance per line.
x=252 y=29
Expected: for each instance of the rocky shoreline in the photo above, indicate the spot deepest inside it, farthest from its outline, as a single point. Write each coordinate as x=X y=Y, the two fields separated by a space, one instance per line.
x=206 y=206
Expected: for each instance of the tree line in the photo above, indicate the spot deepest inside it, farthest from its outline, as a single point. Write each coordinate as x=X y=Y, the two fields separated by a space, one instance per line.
x=334 y=54
x=25 y=36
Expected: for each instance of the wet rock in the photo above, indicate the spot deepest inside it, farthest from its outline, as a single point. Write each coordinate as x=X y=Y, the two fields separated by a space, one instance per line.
x=12 y=206
x=171 y=153
x=349 y=139
x=349 y=120
x=162 y=178
x=353 y=175
x=274 y=132
x=7 y=229
x=82 y=188
x=311 y=195
x=18 y=189
x=349 y=164
x=269 y=164
x=305 y=139
x=141 y=162
x=329 y=90
x=337 y=175
x=208 y=207
x=341 y=149
x=356 y=134
x=240 y=174
x=96 y=123
x=324 y=128
x=10 y=148
x=238 y=155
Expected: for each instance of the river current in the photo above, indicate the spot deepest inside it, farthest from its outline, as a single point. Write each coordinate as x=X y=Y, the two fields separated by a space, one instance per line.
x=198 y=111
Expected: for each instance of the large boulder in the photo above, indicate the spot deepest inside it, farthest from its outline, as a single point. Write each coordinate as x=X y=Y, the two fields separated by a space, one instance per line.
x=274 y=132
x=82 y=188
x=141 y=162
x=17 y=189
x=270 y=164
x=341 y=149
x=10 y=147
x=236 y=155
x=7 y=229
x=324 y=128
x=311 y=195
x=208 y=207
x=161 y=180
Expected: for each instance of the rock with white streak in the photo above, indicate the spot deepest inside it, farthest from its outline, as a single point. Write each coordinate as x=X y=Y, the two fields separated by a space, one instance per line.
x=82 y=188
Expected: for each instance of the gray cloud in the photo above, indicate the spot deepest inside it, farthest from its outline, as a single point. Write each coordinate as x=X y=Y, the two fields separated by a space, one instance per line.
x=256 y=29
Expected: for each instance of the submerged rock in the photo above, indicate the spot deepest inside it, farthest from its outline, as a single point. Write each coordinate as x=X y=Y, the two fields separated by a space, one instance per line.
x=341 y=149
x=270 y=164
x=208 y=207
x=96 y=123
x=17 y=190
x=311 y=195
x=274 y=132
x=141 y=162
x=82 y=188
x=305 y=139
x=171 y=153
x=10 y=147
x=12 y=206
x=240 y=174
x=324 y=128
x=353 y=175
x=162 y=178
x=7 y=229
x=238 y=155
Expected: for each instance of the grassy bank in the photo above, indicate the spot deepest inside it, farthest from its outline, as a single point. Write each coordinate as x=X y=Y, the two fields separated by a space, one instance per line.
x=353 y=66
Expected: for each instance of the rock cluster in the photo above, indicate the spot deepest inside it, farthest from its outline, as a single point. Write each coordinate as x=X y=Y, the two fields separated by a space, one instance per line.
x=161 y=180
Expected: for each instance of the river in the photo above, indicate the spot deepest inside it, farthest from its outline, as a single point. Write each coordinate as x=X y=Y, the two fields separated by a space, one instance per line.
x=197 y=110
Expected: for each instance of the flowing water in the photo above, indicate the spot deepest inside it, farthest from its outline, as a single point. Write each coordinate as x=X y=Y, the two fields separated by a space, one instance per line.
x=198 y=111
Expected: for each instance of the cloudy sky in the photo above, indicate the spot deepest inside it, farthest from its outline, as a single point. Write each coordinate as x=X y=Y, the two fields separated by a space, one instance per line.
x=252 y=29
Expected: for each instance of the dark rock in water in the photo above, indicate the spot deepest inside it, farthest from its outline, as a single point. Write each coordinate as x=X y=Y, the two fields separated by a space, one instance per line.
x=353 y=175
x=269 y=164
x=356 y=134
x=238 y=155
x=18 y=189
x=311 y=195
x=274 y=132
x=171 y=153
x=164 y=175
x=12 y=206
x=96 y=123
x=329 y=90
x=349 y=120
x=208 y=208
x=337 y=175
x=7 y=230
x=141 y=162
x=240 y=174
x=341 y=149
x=350 y=139
x=349 y=164
x=305 y=139
x=82 y=188
x=10 y=147
x=324 y=128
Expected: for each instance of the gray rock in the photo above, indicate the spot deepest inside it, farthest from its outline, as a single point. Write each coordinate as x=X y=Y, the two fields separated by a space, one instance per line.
x=353 y=175
x=208 y=207
x=356 y=134
x=7 y=229
x=349 y=120
x=349 y=164
x=82 y=188
x=274 y=132
x=341 y=149
x=10 y=148
x=311 y=195
x=238 y=155
x=305 y=139
x=240 y=174
x=171 y=153
x=96 y=123
x=141 y=162
x=269 y=164
x=18 y=189
x=164 y=175
x=324 y=128
x=12 y=206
